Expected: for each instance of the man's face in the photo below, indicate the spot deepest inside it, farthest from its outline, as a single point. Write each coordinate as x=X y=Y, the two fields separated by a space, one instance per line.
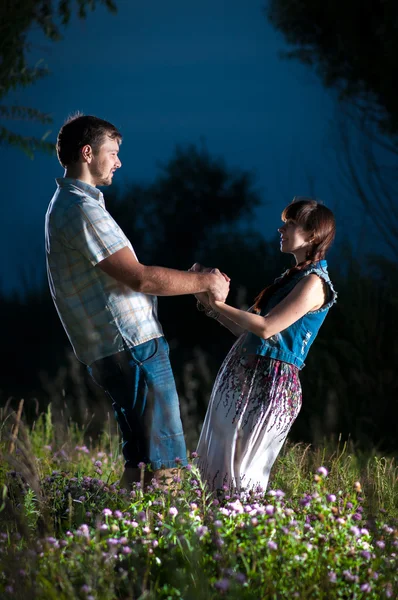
x=104 y=162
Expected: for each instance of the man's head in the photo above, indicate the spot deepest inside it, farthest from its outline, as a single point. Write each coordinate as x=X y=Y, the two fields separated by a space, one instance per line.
x=87 y=147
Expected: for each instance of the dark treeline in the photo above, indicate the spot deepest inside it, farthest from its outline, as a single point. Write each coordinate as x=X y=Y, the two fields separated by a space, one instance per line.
x=199 y=210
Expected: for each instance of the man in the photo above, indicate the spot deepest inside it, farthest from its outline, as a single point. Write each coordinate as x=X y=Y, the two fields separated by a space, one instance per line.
x=106 y=299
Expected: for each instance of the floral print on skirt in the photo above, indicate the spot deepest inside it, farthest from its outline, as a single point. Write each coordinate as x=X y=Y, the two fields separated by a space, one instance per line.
x=254 y=402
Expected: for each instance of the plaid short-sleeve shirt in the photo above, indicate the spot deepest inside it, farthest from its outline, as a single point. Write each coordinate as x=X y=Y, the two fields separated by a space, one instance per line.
x=100 y=315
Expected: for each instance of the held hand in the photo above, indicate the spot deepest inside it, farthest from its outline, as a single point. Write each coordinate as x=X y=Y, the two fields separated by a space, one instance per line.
x=215 y=304
x=203 y=298
x=219 y=286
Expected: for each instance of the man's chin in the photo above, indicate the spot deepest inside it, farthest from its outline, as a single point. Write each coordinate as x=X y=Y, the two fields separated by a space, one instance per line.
x=105 y=182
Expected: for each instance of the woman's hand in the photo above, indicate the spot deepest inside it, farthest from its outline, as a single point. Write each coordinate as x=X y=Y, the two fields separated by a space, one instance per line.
x=215 y=304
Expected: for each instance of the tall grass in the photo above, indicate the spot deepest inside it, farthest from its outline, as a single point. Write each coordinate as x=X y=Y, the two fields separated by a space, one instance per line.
x=67 y=530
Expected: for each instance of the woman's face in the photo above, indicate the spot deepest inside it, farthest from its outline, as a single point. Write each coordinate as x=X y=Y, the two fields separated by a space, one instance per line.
x=294 y=240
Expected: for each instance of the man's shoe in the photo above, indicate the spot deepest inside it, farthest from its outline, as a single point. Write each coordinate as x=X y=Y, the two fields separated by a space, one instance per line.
x=165 y=479
x=133 y=475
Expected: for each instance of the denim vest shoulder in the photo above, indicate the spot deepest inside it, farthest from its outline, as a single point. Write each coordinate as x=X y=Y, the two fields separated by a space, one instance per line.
x=293 y=343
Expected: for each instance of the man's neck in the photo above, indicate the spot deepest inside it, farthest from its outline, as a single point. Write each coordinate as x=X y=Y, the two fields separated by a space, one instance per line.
x=81 y=176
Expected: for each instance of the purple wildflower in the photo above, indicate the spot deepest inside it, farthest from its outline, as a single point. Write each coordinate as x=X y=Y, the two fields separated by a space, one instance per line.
x=201 y=531
x=83 y=531
x=272 y=545
x=323 y=471
x=51 y=540
x=107 y=512
x=388 y=590
x=112 y=541
x=86 y=589
x=222 y=585
x=173 y=512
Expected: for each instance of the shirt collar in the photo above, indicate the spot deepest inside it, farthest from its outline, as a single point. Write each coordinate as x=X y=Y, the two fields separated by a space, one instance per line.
x=89 y=190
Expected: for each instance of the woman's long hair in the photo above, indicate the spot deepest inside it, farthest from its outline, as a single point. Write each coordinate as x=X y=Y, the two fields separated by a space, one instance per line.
x=314 y=218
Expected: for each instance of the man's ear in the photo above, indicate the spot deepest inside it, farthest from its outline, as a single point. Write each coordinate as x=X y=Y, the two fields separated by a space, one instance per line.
x=87 y=153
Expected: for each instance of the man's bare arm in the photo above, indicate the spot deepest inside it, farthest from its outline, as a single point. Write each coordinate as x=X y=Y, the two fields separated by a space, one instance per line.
x=161 y=281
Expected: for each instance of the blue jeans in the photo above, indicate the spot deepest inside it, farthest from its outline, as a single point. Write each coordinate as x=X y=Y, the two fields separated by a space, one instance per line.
x=141 y=385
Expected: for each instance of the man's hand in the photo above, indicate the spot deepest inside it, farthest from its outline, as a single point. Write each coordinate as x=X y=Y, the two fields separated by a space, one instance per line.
x=219 y=285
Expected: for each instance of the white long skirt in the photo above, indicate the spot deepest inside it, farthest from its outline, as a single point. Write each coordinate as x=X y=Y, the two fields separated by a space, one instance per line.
x=254 y=402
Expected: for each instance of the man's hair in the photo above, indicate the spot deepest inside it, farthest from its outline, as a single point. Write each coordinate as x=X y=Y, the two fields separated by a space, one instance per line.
x=80 y=130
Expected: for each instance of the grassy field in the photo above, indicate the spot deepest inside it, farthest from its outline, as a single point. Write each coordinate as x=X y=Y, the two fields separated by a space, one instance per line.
x=327 y=527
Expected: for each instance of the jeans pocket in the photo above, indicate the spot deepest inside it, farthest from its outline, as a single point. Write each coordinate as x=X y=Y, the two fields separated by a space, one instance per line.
x=143 y=353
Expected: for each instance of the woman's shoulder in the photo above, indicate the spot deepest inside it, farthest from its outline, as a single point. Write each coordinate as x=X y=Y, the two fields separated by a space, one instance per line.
x=319 y=269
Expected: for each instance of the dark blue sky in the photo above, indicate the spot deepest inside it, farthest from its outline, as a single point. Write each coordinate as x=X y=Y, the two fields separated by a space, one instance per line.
x=166 y=74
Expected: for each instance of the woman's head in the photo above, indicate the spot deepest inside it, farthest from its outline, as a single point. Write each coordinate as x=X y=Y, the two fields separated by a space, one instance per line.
x=308 y=231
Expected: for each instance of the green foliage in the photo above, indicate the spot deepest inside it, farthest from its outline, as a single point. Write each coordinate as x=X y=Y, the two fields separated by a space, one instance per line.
x=322 y=539
x=30 y=508
x=17 y=17
x=353 y=46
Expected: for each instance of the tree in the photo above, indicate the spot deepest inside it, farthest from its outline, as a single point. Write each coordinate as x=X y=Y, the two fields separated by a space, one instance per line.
x=353 y=46
x=368 y=167
x=16 y=19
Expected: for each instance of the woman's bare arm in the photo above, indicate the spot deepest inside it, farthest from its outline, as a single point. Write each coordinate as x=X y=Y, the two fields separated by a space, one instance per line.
x=307 y=295
x=234 y=328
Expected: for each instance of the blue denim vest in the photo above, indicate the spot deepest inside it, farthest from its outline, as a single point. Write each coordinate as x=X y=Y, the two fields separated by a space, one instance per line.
x=292 y=344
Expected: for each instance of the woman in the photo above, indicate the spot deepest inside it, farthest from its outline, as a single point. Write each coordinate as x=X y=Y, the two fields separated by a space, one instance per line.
x=257 y=393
